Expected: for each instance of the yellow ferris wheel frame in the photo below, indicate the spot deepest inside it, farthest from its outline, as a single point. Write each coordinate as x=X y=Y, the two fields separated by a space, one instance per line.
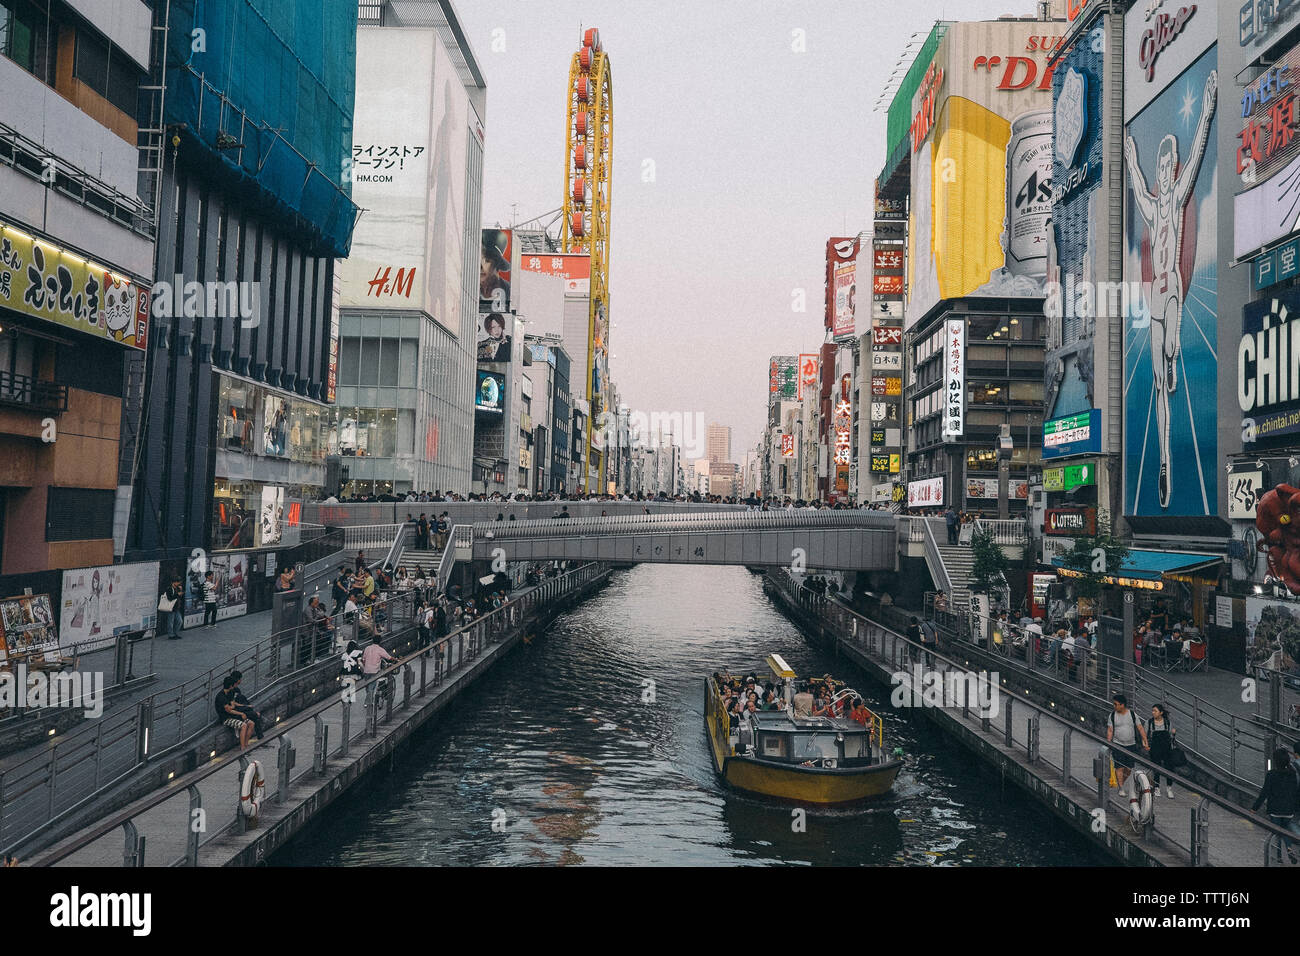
x=585 y=224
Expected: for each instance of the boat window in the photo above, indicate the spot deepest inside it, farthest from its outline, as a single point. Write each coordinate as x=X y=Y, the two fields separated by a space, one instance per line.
x=773 y=745
x=810 y=746
x=855 y=745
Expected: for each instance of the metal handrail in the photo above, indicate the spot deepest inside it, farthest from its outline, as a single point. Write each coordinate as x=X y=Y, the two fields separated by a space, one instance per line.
x=93 y=775
x=912 y=650
x=1234 y=731
x=934 y=558
x=509 y=613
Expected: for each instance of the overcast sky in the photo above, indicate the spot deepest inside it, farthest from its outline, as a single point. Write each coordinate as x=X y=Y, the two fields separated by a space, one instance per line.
x=760 y=154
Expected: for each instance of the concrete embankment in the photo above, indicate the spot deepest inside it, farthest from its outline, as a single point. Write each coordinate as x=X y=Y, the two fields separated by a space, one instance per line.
x=314 y=758
x=1048 y=757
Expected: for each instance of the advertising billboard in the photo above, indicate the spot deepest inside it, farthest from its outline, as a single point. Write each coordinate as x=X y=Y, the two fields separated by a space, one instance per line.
x=1268 y=368
x=787 y=446
x=782 y=378
x=954 y=379
x=925 y=492
x=271 y=523
x=573 y=268
x=1268 y=160
x=1072 y=434
x=982 y=153
x=409 y=142
x=41 y=280
x=1017 y=488
x=489 y=396
x=496 y=248
x=494 y=341
x=841 y=285
x=1170 y=333
x=100 y=603
x=809 y=369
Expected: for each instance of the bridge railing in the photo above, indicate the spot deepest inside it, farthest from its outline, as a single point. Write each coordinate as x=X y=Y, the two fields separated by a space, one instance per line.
x=673 y=524
x=1076 y=756
x=350 y=718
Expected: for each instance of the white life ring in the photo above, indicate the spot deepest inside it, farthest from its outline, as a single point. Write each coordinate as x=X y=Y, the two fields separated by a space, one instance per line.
x=252 y=791
x=1139 y=804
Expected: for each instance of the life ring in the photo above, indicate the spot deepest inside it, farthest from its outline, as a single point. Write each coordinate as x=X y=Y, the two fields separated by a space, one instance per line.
x=252 y=791
x=1139 y=804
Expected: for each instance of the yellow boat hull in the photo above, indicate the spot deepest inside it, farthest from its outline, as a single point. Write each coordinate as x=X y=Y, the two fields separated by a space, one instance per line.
x=813 y=786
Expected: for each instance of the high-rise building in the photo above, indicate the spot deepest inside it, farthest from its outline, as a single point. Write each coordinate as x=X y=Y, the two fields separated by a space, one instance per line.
x=410 y=290
x=255 y=211
x=718 y=442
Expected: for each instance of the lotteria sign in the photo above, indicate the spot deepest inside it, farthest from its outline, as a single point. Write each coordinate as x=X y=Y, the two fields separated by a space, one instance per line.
x=1072 y=435
x=1072 y=521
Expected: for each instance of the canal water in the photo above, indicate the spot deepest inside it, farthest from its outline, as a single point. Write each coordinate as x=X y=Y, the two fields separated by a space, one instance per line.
x=588 y=746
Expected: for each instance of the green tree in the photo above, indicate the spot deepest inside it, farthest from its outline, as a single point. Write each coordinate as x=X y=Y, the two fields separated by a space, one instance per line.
x=1095 y=557
x=989 y=568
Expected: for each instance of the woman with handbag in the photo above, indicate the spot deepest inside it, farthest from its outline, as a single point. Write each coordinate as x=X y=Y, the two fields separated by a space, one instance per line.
x=1160 y=734
x=169 y=604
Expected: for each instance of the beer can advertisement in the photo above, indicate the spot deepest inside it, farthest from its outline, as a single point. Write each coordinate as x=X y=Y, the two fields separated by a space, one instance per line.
x=982 y=149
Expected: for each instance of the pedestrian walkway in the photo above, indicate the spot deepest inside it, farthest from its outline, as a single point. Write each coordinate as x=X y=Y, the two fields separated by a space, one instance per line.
x=174 y=662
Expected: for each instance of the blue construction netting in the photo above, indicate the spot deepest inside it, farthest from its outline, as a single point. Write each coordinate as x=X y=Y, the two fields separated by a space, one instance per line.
x=278 y=77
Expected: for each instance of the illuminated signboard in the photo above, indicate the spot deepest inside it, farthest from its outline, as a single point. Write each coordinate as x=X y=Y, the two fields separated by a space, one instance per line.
x=954 y=379
x=1072 y=435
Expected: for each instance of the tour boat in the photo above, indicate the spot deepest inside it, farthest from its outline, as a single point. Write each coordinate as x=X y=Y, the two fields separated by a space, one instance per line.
x=827 y=760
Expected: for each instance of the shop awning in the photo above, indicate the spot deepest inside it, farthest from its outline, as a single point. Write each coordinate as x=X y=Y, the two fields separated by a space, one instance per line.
x=1149 y=568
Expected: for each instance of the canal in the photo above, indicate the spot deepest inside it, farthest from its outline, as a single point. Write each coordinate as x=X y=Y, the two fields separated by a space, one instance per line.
x=566 y=753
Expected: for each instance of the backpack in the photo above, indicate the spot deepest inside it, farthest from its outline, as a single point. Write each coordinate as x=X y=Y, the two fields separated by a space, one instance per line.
x=1132 y=717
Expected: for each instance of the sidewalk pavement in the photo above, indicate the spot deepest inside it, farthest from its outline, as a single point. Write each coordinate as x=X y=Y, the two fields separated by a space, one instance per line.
x=199 y=650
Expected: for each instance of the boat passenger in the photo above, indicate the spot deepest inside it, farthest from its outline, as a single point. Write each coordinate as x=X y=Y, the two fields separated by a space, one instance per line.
x=803 y=703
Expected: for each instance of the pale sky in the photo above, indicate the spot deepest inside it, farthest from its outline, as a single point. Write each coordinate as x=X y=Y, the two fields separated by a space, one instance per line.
x=760 y=154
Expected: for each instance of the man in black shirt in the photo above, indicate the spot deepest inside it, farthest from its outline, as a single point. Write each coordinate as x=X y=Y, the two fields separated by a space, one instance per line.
x=339 y=590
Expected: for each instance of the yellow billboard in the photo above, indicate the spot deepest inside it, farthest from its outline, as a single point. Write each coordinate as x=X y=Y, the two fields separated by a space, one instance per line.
x=981 y=177
x=45 y=281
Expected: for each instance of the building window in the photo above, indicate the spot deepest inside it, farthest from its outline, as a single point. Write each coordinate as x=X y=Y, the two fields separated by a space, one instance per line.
x=25 y=38
x=107 y=72
x=79 y=514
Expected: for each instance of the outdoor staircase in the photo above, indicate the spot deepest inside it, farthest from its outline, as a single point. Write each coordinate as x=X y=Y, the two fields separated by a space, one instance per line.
x=427 y=561
x=957 y=561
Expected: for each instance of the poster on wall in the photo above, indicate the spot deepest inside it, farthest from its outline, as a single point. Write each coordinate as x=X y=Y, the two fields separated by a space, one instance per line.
x=494 y=338
x=271 y=516
x=925 y=492
x=275 y=426
x=229 y=576
x=100 y=603
x=27 y=628
x=1171 y=460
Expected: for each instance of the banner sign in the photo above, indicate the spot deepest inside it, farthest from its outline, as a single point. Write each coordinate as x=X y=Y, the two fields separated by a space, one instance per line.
x=954 y=379
x=886 y=335
x=44 y=281
x=808 y=371
x=1072 y=521
x=925 y=492
x=1268 y=368
x=1072 y=435
x=787 y=446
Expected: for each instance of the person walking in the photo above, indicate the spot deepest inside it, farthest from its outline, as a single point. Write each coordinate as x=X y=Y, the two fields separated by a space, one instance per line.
x=1123 y=730
x=422 y=533
x=209 y=600
x=169 y=604
x=1281 y=793
x=339 y=589
x=950 y=519
x=1160 y=734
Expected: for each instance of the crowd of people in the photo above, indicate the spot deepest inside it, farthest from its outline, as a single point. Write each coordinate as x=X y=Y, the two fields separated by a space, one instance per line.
x=814 y=697
x=752 y=502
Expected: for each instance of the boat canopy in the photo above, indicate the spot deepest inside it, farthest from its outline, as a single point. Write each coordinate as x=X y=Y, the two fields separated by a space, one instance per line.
x=776 y=663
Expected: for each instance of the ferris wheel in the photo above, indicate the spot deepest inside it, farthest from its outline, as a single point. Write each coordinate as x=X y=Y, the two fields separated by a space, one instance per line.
x=584 y=224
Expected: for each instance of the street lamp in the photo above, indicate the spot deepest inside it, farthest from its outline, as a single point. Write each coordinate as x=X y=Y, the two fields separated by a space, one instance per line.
x=1004 y=471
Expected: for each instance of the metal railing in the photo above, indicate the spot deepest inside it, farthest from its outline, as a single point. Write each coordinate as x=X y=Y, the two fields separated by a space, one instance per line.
x=1208 y=731
x=34 y=393
x=700 y=523
x=357 y=715
x=1074 y=755
x=460 y=536
x=1011 y=531
x=934 y=558
x=75 y=769
x=370 y=537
